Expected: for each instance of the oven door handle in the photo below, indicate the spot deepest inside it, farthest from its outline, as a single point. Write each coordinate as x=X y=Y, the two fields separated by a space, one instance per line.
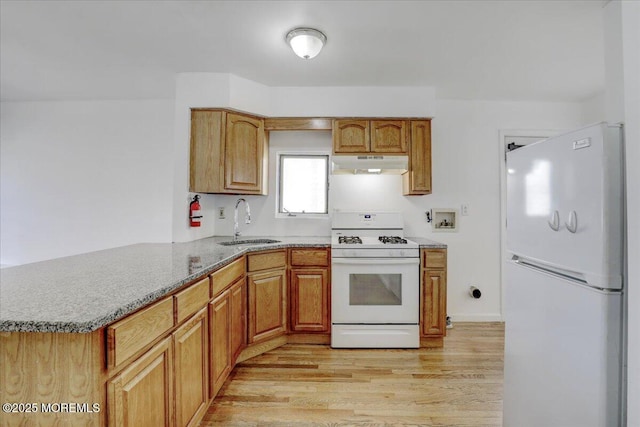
x=377 y=261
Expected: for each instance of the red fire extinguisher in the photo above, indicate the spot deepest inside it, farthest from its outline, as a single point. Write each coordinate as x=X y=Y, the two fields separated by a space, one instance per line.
x=194 y=212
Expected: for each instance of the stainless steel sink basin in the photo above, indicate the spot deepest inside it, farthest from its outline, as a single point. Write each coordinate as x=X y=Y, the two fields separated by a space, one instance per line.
x=248 y=242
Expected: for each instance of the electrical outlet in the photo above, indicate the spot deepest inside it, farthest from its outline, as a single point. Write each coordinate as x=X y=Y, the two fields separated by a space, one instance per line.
x=464 y=209
x=221 y=214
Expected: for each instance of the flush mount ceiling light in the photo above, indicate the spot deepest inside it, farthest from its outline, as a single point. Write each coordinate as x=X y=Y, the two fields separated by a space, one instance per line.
x=306 y=42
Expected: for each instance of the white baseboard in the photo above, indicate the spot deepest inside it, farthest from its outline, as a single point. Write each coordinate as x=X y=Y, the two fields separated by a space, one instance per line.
x=495 y=317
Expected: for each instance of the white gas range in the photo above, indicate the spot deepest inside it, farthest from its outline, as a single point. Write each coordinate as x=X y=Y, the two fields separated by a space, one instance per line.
x=375 y=282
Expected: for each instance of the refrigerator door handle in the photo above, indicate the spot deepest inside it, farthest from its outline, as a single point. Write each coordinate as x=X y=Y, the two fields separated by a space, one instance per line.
x=554 y=223
x=572 y=225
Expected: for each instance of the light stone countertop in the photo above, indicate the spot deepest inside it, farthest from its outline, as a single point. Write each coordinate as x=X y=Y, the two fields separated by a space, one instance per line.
x=83 y=293
x=427 y=243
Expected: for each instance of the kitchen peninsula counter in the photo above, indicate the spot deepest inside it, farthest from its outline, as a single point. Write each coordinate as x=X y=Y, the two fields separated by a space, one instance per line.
x=83 y=293
x=132 y=326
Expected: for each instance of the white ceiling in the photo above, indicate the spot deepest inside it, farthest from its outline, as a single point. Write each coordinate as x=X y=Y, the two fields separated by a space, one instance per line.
x=509 y=50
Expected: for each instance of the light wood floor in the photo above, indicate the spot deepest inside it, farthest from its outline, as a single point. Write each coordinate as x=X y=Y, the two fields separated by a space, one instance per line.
x=314 y=385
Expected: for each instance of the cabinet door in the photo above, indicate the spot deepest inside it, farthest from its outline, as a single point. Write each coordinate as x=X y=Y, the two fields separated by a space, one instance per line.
x=191 y=369
x=238 y=296
x=417 y=180
x=142 y=394
x=205 y=172
x=267 y=305
x=351 y=136
x=244 y=154
x=434 y=303
x=389 y=136
x=309 y=302
x=219 y=322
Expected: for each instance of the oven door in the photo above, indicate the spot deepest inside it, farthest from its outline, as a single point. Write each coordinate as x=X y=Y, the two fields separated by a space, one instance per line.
x=375 y=290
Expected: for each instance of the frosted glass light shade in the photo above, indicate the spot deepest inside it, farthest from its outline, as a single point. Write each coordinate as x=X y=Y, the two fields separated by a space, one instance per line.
x=306 y=42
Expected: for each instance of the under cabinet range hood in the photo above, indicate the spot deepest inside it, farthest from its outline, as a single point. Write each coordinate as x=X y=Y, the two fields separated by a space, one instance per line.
x=369 y=164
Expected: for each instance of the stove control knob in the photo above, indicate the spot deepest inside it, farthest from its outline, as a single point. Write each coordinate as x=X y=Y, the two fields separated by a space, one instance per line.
x=401 y=252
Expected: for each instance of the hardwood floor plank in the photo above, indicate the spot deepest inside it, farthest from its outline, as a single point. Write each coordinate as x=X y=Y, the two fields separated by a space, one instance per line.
x=313 y=385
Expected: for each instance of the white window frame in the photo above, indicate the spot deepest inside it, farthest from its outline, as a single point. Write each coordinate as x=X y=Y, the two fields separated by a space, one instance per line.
x=278 y=200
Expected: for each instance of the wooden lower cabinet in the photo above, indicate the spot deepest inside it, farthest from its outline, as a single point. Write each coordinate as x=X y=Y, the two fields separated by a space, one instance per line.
x=309 y=300
x=219 y=326
x=228 y=331
x=142 y=394
x=238 y=300
x=129 y=336
x=433 y=314
x=267 y=305
x=191 y=370
x=48 y=368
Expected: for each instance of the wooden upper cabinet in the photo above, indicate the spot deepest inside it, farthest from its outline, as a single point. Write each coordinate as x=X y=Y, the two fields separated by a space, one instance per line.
x=357 y=136
x=244 y=154
x=351 y=136
x=389 y=136
x=417 y=180
x=228 y=153
x=207 y=131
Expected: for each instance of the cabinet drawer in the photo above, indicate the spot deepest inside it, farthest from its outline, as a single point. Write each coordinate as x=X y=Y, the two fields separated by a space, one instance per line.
x=191 y=299
x=311 y=257
x=132 y=334
x=434 y=258
x=226 y=276
x=265 y=261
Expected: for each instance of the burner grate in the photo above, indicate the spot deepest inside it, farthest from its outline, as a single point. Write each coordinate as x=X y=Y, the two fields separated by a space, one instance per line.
x=349 y=239
x=392 y=239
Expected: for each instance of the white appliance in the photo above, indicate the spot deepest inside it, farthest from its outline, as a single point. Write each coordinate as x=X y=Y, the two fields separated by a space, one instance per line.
x=564 y=281
x=369 y=164
x=375 y=283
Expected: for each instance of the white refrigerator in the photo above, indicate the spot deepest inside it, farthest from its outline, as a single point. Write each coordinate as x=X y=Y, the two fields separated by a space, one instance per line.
x=563 y=364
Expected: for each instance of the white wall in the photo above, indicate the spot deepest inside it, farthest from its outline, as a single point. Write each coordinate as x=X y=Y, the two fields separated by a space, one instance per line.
x=352 y=101
x=79 y=176
x=593 y=109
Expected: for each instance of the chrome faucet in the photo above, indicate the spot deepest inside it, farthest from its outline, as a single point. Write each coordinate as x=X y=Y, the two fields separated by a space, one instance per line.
x=247 y=218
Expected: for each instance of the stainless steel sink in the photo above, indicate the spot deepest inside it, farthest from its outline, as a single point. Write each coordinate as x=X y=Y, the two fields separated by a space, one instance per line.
x=248 y=242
